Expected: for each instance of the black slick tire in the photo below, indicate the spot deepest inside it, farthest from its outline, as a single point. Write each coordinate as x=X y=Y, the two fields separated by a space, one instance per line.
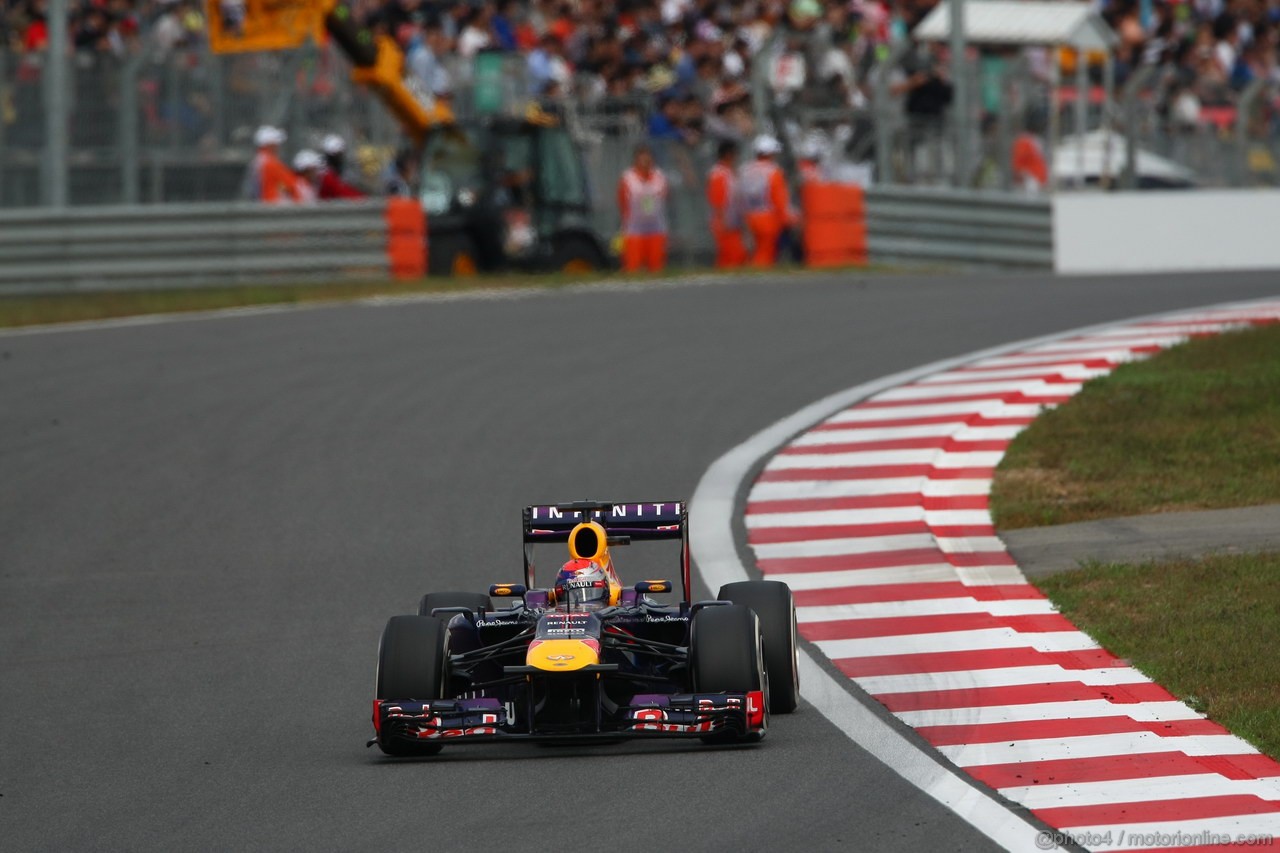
x=411 y=664
x=576 y=253
x=725 y=655
x=451 y=253
x=774 y=604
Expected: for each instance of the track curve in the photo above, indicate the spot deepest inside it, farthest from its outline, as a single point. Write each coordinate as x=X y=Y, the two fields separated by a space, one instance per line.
x=876 y=515
x=204 y=525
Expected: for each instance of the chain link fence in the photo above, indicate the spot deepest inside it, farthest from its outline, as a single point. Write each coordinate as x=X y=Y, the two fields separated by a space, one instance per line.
x=176 y=126
x=1234 y=144
x=1153 y=132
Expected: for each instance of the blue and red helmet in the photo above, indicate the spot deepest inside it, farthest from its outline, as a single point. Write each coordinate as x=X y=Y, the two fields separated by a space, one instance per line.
x=582 y=582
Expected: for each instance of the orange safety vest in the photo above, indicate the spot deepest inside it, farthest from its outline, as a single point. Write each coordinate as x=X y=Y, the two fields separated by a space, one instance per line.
x=724 y=199
x=1029 y=167
x=273 y=180
x=643 y=202
x=307 y=192
x=764 y=190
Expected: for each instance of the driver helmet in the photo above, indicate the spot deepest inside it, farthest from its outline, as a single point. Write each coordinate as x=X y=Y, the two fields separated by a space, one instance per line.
x=582 y=582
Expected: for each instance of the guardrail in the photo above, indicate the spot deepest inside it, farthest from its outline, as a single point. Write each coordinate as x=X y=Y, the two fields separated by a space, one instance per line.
x=107 y=248
x=959 y=227
x=189 y=245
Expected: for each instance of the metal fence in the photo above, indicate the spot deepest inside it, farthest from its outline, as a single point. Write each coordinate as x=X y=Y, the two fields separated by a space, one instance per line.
x=1232 y=142
x=685 y=166
x=965 y=228
x=139 y=246
x=157 y=143
x=175 y=127
x=1154 y=129
x=116 y=248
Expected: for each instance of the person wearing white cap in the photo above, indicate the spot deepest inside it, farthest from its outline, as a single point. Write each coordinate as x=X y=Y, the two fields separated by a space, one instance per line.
x=306 y=169
x=332 y=182
x=333 y=144
x=270 y=180
x=810 y=161
x=766 y=200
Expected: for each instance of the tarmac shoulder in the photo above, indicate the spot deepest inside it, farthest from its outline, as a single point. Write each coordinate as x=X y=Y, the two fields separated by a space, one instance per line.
x=1042 y=551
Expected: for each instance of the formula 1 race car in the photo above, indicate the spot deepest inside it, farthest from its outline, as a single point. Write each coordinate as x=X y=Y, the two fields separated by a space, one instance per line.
x=587 y=658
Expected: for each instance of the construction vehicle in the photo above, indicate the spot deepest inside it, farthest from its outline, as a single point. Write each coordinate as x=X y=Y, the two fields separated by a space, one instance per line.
x=506 y=189
x=507 y=192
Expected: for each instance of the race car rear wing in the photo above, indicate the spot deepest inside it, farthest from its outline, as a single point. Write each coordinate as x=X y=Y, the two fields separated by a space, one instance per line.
x=623 y=521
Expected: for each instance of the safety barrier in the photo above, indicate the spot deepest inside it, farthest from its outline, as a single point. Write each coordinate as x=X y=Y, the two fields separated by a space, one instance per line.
x=1166 y=231
x=406 y=238
x=835 y=225
x=959 y=228
x=105 y=248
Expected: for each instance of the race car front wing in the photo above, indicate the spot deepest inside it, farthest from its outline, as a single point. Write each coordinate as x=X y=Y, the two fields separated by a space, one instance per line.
x=733 y=715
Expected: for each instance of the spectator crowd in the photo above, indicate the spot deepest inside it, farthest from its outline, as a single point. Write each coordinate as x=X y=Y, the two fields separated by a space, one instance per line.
x=689 y=62
x=113 y=27
x=683 y=69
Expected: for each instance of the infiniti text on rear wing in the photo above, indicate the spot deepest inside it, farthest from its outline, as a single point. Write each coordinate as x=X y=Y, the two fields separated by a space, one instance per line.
x=623 y=521
x=650 y=520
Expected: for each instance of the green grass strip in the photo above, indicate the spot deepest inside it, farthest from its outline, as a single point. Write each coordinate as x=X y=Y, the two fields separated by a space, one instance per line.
x=75 y=307
x=1194 y=427
x=1206 y=630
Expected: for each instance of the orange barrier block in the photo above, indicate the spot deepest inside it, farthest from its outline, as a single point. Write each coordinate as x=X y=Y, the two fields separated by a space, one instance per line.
x=835 y=225
x=406 y=238
x=835 y=200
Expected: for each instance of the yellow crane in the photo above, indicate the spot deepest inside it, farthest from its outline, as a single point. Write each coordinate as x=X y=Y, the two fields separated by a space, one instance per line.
x=260 y=25
x=508 y=191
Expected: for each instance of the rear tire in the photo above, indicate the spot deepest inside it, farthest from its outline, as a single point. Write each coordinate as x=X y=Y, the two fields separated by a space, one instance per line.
x=473 y=601
x=775 y=606
x=725 y=656
x=576 y=253
x=452 y=253
x=411 y=665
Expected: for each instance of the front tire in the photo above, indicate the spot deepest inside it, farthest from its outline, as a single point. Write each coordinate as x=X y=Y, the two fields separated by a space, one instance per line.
x=411 y=665
x=726 y=656
x=774 y=604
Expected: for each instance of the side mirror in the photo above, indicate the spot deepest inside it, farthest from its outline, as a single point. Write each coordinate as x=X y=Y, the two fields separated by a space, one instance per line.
x=507 y=590
x=653 y=586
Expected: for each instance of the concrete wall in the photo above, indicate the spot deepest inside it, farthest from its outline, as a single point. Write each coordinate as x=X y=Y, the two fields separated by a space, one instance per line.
x=1166 y=231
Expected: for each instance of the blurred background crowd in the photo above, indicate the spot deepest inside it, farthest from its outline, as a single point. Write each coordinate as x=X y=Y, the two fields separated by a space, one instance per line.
x=155 y=112
x=687 y=63
x=115 y=27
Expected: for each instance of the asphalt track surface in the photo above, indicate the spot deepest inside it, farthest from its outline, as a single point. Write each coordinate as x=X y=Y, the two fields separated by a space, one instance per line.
x=205 y=524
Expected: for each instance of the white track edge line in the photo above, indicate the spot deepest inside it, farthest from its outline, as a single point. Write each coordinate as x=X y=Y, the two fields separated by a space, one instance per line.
x=711 y=513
